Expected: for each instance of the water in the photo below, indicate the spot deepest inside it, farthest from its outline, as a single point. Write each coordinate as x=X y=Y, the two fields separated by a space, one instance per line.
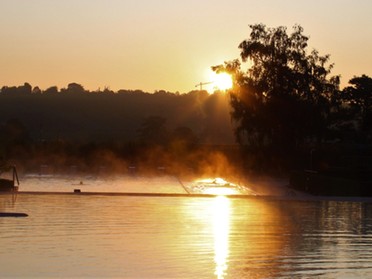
x=106 y=236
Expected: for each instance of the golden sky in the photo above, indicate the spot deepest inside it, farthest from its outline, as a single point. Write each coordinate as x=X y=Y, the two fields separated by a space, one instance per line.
x=164 y=44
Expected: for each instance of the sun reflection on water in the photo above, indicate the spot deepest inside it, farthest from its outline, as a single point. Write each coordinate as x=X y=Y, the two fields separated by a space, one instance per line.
x=218 y=186
x=221 y=230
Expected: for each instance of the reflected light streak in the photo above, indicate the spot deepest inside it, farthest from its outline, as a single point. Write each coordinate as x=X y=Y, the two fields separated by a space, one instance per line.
x=221 y=191
x=221 y=230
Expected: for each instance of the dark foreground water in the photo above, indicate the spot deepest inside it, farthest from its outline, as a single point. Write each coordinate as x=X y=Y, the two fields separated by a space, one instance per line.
x=105 y=236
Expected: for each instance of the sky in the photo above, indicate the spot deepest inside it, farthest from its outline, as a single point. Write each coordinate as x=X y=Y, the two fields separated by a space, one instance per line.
x=165 y=44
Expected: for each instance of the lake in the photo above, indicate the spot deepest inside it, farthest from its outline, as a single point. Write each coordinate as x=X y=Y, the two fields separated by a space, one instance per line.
x=70 y=235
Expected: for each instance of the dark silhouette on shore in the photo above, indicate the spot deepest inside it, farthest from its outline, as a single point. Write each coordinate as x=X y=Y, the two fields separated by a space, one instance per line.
x=287 y=105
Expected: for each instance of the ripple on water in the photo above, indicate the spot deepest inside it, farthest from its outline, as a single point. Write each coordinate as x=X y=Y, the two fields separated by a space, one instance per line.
x=162 y=237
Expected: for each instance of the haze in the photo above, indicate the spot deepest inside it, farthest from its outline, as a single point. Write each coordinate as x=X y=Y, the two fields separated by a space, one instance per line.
x=163 y=45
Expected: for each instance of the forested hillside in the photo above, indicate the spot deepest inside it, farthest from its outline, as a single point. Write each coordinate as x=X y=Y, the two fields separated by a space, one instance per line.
x=97 y=117
x=89 y=130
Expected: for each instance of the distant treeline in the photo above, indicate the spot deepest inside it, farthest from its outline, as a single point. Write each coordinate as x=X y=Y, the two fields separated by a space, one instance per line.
x=76 y=124
x=76 y=114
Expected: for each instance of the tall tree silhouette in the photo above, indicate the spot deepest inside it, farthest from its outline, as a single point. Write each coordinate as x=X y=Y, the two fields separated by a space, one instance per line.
x=286 y=94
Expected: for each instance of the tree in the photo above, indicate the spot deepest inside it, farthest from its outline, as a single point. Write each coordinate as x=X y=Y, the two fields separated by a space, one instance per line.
x=36 y=90
x=53 y=90
x=24 y=89
x=285 y=96
x=359 y=95
x=74 y=88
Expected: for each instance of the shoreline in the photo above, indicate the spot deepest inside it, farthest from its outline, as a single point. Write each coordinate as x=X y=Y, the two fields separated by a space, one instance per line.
x=302 y=197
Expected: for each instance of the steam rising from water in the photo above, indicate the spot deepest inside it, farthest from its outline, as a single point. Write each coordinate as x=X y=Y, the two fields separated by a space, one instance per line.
x=155 y=171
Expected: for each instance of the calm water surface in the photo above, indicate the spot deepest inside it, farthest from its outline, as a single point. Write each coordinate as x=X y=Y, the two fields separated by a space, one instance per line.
x=104 y=236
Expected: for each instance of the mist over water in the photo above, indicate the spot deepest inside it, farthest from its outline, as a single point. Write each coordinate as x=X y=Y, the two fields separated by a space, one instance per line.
x=164 y=184
x=156 y=172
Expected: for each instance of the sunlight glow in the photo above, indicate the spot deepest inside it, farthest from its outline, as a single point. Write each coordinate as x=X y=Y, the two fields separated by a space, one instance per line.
x=221 y=229
x=220 y=191
x=217 y=186
x=221 y=81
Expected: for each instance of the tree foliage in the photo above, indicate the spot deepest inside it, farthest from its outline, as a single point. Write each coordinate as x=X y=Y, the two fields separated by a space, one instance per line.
x=286 y=94
x=359 y=96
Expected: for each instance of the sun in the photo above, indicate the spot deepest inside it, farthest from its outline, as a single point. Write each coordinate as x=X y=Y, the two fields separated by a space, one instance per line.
x=221 y=81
